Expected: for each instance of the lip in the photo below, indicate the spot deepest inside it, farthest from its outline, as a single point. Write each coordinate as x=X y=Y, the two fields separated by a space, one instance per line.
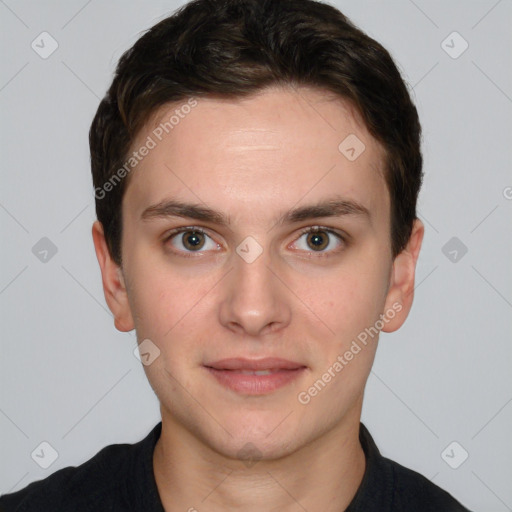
x=241 y=363
x=234 y=373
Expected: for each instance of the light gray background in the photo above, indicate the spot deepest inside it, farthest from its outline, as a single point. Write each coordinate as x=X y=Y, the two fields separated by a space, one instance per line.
x=69 y=378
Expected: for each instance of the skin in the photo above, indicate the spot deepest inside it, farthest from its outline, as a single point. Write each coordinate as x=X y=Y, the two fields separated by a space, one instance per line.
x=253 y=159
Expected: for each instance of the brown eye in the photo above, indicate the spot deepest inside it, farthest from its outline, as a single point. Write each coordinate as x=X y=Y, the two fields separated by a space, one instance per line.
x=193 y=240
x=321 y=240
x=189 y=240
x=318 y=240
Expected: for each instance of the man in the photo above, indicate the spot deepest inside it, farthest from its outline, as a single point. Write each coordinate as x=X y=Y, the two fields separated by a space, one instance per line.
x=256 y=167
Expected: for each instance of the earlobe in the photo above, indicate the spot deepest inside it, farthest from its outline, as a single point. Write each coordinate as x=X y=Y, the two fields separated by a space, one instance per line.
x=114 y=287
x=401 y=289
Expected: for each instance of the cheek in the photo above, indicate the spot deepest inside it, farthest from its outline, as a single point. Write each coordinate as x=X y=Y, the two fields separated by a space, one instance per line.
x=167 y=306
x=346 y=300
x=153 y=299
x=349 y=303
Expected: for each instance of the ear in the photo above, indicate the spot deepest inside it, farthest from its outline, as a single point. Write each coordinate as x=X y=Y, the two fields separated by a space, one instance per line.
x=401 y=287
x=113 y=282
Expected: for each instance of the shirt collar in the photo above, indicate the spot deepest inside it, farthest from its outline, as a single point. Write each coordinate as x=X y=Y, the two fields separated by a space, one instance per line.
x=375 y=493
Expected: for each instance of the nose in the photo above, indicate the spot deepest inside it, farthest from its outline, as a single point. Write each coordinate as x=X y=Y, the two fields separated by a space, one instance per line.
x=255 y=300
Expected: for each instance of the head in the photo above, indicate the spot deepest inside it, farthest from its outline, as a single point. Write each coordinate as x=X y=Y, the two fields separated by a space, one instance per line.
x=248 y=123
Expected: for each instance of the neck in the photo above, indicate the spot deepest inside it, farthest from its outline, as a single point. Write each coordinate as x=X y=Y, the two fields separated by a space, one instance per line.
x=323 y=475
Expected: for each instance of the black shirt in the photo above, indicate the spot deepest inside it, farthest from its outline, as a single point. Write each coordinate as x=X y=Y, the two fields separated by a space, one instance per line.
x=120 y=478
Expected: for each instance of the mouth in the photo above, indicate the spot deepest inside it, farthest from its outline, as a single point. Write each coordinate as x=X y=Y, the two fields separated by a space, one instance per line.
x=255 y=372
x=256 y=376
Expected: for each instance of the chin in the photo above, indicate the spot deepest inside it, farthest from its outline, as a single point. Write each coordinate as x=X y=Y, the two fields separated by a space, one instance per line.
x=252 y=449
x=258 y=435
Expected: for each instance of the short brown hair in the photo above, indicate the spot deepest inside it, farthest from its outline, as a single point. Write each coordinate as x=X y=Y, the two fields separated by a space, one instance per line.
x=232 y=48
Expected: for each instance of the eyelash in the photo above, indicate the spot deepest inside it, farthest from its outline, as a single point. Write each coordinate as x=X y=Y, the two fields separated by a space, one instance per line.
x=312 y=229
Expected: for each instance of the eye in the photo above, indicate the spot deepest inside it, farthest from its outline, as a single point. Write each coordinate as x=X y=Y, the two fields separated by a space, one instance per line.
x=319 y=239
x=190 y=240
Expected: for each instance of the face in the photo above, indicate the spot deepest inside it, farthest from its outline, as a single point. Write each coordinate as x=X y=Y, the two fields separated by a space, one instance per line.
x=250 y=233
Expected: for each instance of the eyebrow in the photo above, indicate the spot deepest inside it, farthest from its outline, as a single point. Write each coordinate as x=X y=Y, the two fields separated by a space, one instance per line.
x=335 y=207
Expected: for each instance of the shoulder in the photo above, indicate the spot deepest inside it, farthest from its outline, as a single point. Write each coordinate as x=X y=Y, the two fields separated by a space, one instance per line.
x=412 y=491
x=73 y=488
x=388 y=486
x=104 y=482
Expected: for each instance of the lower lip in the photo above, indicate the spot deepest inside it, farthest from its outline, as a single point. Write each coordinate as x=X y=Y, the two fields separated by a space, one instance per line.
x=248 y=384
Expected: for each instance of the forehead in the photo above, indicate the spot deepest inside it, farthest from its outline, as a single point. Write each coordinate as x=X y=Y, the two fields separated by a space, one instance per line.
x=253 y=156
